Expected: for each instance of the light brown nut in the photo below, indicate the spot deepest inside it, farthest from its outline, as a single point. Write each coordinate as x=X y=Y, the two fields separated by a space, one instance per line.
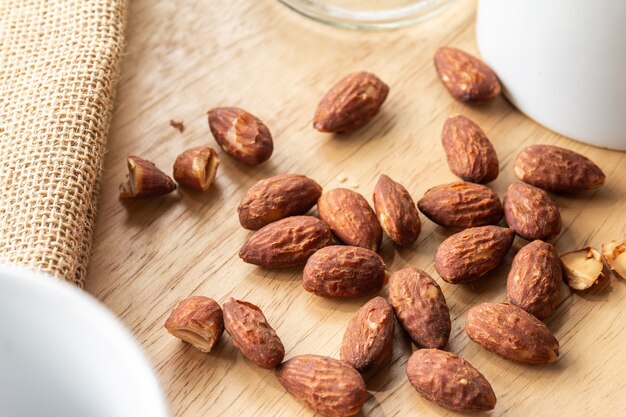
x=462 y=205
x=343 y=271
x=470 y=254
x=350 y=218
x=277 y=197
x=241 y=135
x=351 y=103
x=420 y=307
x=252 y=335
x=196 y=168
x=557 y=169
x=531 y=212
x=582 y=268
x=396 y=211
x=287 y=242
x=535 y=279
x=615 y=255
x=145 y=180
x=470 y=154
x=327 y=386
x=368 y=340
x=198 y=321
x=449 y=381
x=512 y=333
x=467 y=78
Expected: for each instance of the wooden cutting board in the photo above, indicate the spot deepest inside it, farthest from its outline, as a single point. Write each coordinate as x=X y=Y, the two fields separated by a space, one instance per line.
x=183 y=58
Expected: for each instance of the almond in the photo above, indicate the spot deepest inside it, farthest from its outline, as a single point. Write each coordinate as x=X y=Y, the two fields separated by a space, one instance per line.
x=241 y=135
x=198 y=321
x=582 y=268
x=558 y=170
x=351 y=103
x=350 y=218
x=470 y=154
x=327 y=386
x=368 y=340
x=449 y=381
x=467 y=78
x=252 y=335
x=615 y=255
x=287 y=242
x=196 y=168
x=396 y=211
x=420 y=307
x=145 y=180
x=512 y=333
x=461 y=205
x=531 y=212
x=470 y=254
x=343 y=271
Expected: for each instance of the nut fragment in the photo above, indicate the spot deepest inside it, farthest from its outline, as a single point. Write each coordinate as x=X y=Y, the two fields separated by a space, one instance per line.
x=198 y=321
x=582 y=268
x=396 y=211
x=145 y=180
x=615 y=255
x=196 y=167
x=531 y=212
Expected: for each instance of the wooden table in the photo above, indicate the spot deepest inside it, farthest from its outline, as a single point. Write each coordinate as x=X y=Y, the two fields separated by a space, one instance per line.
x=186 y=57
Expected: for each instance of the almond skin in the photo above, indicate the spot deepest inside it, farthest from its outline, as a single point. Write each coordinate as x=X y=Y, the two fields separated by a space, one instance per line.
x=351 y=218
x=145 y=180
x=467 y=78
x=196 y=168
x=449 y=381
x=327 y=386
x=198 y=321
x=287 y=242
x=343 y=271
x=512 y=333
x=470 y=254
x=252 y=335
x=557 y=169
x=461 y=205
x=535 y=279
x=531 y=212
x=351 y=103
x=396 y=211
x=470 y=154
x=277 y=197
x=420 y=307
x=241 y=135
x=368 y=340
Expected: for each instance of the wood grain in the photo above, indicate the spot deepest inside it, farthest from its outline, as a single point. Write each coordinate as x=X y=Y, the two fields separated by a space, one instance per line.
x=186 y=57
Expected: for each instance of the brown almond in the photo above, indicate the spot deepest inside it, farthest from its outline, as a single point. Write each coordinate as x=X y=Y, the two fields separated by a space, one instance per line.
x=396 y=211
x=287 y=242
x=241 y=135
x=470 y=254
x=467 y=78
x=531 y=212
x=461 y=205
x=351 y=103
x=351 y=218
x=198 y=321
x=196 y=168
x=470 y=154
x=343 y=271
x=420 y=307
x=145 y=180
x=277 y=197
x=449 y=381
x=327 y=386
x=615 y=255
x=252 y=335
x=582 y=268
x=557 y=169
x=512 y=333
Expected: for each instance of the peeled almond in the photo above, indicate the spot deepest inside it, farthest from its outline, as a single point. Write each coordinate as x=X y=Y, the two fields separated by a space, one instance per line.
x=582 y=268
x=615 y=255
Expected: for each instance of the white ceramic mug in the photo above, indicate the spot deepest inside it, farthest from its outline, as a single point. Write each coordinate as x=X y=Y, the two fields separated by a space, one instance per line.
x=562 y=62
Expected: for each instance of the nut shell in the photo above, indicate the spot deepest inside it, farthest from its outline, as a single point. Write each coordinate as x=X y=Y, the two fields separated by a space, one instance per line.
x=198 y=321
x=396 y=211
x=531 y=212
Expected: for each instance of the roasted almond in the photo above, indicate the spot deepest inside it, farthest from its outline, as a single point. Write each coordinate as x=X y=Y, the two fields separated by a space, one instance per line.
x=467 y=78
x=287 y=242
x=327 y=386
x=350 y=218
x=420 y=307
x=615 y=255
x=558 y=170
x=343 y=271
x=470 y=154
x=198 y=321
x=196 y=168
x=351 y=103
x=531 y=212
x=277 y=197
x=582 y=268
x=462 y=205
x=449 y=381
x=470 y=254
x=396 y=211
x=145 y=180
x=512 y=333
x=241 y=135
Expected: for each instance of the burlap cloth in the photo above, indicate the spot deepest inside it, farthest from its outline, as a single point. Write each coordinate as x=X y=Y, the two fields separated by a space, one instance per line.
x=59 y=63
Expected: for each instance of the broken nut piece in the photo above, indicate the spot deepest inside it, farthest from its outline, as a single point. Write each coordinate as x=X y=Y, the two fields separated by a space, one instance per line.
x=198 y=321
x=145 y=180
x=196 y=167
x=615 y=255
x=582 y=268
